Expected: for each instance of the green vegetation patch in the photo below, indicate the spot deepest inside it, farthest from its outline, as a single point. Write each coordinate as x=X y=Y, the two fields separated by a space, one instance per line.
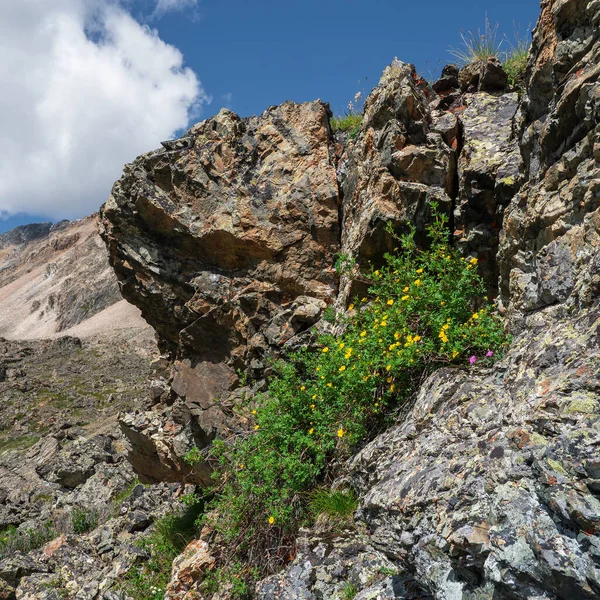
x=171 y=534
x=425 y=309
x=349 y=124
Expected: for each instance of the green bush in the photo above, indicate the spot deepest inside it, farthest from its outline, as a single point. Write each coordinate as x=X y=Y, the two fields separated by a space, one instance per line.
x=349 y=123
x=84 y=520
x=424 y=311
x=336 y=504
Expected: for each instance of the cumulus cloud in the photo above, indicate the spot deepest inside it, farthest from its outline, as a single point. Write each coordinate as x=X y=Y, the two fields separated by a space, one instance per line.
x=85 y=89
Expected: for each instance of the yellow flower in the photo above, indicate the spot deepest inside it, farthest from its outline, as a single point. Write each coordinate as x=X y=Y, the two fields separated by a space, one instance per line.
x=383 y=323
x=302 y=388
x=390 y=379
x=417 y=282
x=377 y=273
x=256 y=427
x=363 y=299
x=393 y=387
x=271 y=520
x=363 y=333
x=475 y=316
x=405 y=289
x=311 y=430
x=314 y=396
x=455 y=354
x=442 y=303
x=342 y=368
x=351 y=307
x=341 y=345
x=340 y=432
x=419 y=271
x=416 y=338
x=254 y=412
x=326 y=349
x=473 y=261
x=241 y=466
x=388 y=367
x=405 y=297
x=390 y=302
x=397 y=335
x=329 y=385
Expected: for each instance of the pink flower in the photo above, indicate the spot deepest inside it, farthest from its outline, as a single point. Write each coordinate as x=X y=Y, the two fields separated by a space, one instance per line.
x=489 y=353
x=472 y=360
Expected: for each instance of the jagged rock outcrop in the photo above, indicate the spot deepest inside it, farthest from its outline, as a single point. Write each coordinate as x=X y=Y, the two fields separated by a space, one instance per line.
x=226 y=239
x=549 y=254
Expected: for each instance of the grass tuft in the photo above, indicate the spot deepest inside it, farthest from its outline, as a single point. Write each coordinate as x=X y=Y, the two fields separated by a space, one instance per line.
x=337 y=504
x=478 y=47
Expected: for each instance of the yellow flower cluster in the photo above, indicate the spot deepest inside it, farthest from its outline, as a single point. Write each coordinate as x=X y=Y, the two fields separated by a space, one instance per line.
x=442 y=335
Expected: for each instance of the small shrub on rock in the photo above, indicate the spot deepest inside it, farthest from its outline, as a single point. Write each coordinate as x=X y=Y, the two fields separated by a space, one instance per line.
x=425 y=310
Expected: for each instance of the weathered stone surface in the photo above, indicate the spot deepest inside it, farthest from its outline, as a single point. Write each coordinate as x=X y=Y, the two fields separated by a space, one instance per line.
x=189 y=569
x=214 y=237
x=489 y=176
x=328 y=563
x=484 y=489
x=549 y=254
x=395 y=169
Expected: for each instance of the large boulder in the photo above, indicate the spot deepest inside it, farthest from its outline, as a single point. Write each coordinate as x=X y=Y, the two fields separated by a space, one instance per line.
x=216 y=233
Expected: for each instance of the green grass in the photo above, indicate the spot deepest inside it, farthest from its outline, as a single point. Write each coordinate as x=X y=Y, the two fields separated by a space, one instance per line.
x=171 y=534
x=515 y=63
x=336 y=504
x=350 y=591
x=125 y=493
x=13 y=540
x=478 y=47
x=349 y=124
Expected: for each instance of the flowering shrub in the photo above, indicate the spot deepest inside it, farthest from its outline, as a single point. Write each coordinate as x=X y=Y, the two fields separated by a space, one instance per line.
x=424 y=311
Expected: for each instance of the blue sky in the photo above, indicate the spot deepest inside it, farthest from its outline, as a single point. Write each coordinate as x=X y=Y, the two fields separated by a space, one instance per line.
x=246 y=55
x=267 y=51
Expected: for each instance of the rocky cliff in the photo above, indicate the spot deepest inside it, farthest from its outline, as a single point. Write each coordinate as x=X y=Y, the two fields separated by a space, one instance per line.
x=227 y=240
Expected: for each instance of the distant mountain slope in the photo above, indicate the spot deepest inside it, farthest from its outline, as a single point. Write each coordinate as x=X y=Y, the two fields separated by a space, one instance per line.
x=54 y=278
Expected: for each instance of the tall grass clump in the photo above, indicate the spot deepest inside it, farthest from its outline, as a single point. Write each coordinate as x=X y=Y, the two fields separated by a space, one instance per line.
x=480 y=46
x=515 y=60
x=424 y=310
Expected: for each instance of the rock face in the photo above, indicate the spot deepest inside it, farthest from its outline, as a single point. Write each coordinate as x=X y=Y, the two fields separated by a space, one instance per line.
x=549 y=254
x=227 y=238
x=216 y=234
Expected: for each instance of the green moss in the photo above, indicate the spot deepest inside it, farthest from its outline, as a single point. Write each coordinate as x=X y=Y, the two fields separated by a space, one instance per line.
x=537 y=439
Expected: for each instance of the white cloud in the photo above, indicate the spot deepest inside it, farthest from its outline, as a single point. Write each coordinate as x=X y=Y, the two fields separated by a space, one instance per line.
x=165 y=6
x=85 y=89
